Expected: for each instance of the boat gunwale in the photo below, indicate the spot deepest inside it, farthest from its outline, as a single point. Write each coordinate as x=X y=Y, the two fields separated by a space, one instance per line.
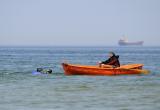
x=97 y=67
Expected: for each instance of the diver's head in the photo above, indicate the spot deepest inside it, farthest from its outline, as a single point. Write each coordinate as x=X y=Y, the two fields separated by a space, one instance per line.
x=49 y=71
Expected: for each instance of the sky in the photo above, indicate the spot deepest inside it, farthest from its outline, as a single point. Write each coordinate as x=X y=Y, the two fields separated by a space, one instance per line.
x=78 y=22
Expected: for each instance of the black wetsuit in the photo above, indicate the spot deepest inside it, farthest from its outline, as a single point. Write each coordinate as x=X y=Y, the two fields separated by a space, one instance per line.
x=114 y=60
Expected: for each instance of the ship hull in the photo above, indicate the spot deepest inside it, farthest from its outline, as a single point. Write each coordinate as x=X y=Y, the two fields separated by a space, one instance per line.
x=140 y=43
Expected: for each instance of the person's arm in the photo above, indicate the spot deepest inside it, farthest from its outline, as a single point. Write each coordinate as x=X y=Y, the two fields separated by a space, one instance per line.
x=105 y=62
x=112 y=62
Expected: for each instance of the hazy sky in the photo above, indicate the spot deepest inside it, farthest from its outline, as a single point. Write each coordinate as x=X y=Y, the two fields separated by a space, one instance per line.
x=78 y=22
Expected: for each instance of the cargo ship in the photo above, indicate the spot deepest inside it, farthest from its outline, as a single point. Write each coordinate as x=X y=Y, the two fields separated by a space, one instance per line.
x=125 y=42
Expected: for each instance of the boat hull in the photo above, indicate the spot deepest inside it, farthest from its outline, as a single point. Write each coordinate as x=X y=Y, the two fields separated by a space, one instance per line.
x=70 y=69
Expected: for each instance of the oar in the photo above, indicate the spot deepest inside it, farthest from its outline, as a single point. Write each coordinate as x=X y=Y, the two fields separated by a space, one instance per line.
x=140 y=71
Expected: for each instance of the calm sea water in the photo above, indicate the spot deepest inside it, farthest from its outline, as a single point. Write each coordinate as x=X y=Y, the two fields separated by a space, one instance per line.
x=20 y=90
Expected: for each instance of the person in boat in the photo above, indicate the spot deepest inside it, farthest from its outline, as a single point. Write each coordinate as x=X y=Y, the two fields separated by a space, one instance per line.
x=44 y=71
x=112 y=62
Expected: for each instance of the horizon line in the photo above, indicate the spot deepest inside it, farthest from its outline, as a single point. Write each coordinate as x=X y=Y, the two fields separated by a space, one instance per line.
x=76 y=46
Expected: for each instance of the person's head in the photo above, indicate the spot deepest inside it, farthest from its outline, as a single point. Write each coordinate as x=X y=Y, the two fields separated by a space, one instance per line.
x=49 y=71
x=111 y=54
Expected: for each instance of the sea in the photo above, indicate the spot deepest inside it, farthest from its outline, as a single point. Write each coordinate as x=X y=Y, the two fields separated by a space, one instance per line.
x=21 y=90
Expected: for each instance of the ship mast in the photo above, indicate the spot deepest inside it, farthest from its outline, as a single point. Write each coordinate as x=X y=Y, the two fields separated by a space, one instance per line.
x=124 y=38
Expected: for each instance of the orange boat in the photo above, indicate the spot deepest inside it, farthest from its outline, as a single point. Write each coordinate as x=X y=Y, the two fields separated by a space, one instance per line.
x=130 y=69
